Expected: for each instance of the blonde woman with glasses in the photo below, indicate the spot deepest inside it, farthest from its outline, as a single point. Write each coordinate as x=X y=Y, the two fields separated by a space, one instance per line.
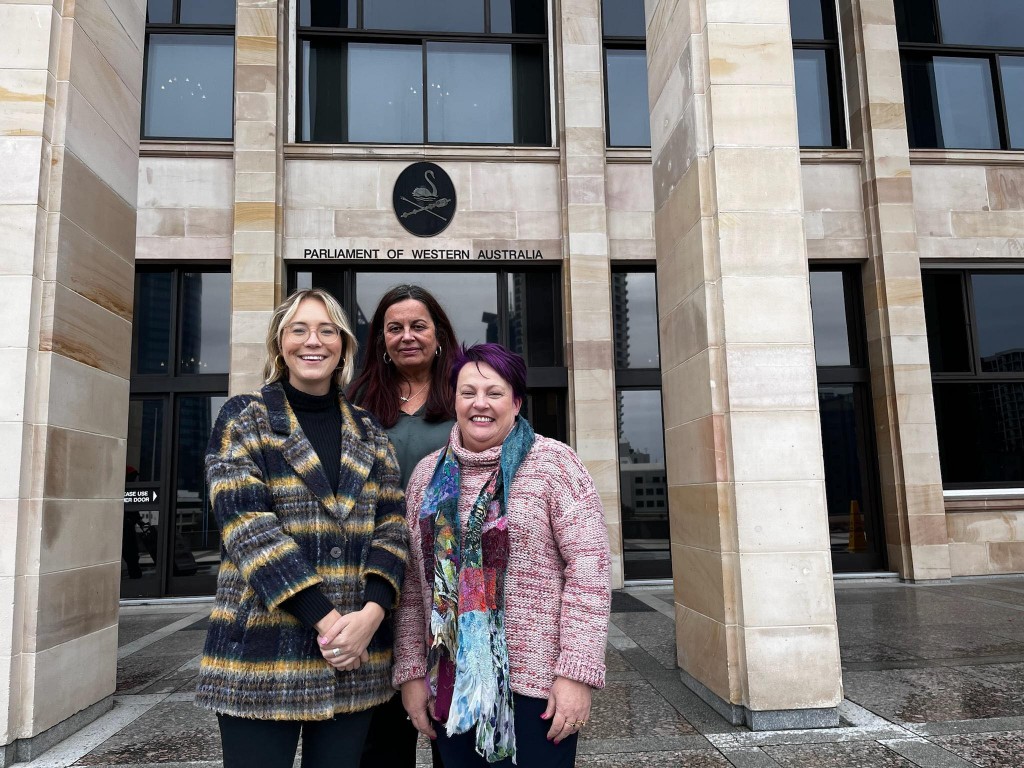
x=305 y=488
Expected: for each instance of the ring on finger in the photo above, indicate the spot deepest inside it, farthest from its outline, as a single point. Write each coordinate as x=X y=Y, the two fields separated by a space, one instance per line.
x=336 y=652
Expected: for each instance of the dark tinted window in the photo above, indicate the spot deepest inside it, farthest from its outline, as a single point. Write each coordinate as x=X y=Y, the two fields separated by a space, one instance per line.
x=424 y=15
x=523 y=17
x=635 y=310
x=810 y=21
x=206 y=12
x=950 y=102
x=981 y=432
x=152 y=322
x=829 y=318
x=144 y=458
x=629 y=123
x=982 y=22
x=946 y=319
x=1012 y=73
x=205 y=312
x=916 y=21
x=328 y=13
x=813 y=104
x=533 y=326
x=623 y=18
x=999 y=319
x=189 y=86
x=160 y=12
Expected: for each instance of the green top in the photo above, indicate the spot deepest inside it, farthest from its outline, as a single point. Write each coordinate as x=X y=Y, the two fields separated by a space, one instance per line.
x=414 y=438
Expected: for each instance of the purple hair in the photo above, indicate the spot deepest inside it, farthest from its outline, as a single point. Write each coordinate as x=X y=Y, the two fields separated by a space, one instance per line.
x=507 y=364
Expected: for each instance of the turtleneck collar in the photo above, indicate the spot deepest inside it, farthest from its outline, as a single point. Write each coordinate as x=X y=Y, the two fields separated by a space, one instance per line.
x=468 y=458
x=301 y=401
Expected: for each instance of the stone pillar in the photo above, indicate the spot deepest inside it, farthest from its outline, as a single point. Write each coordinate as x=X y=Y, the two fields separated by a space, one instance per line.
x=254 y=270
x=70 y=104
x=755 y=613
x=587 y=265
x=915 y=522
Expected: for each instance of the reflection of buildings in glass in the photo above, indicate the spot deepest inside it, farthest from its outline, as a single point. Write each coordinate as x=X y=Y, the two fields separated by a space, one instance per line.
x=194 y=424
x=490 y=319
x=155 y=296
x=190 y=351
x=643 y=494
x=1005 y=402
x=517 y=314
x=620 y=320
x=839 y=451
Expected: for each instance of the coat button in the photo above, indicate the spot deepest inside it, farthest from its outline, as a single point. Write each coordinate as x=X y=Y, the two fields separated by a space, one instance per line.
x=336 y=552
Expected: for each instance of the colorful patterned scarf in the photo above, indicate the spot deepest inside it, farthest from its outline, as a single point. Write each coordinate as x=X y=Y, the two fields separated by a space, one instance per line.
x=468 y=658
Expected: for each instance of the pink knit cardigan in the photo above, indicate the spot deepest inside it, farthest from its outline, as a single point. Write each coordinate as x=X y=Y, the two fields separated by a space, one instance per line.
x=557 y=588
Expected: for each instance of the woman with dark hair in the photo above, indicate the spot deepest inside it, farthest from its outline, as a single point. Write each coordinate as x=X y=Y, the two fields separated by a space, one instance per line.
x=404 y=383
x=305 y=489
x=503 y=618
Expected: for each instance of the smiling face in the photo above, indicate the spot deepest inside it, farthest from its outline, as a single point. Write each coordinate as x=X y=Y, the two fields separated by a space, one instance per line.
x=311 y=361
x=484 y=406
x=409 y=336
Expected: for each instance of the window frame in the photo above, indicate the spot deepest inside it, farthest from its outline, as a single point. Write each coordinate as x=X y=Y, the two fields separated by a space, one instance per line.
x=830 y=45
x=619 y=43
x=359 y=34
x=923 y=52
x=639 y=380
x=169 y=388
x=175 y=27
x=976 y=375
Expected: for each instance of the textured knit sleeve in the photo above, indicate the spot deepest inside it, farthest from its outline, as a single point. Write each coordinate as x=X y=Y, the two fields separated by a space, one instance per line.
x=411 y=619
x=269 y=559
x=577 y=520
x=389 y=545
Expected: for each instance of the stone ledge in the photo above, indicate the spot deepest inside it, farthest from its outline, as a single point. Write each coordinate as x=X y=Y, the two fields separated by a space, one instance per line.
x=414 y=152
x=186 y=149
x=966 y=157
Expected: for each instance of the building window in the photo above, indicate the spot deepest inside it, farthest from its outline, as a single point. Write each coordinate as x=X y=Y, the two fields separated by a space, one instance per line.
x=819 y=104
x=625 y=73
x=645 y=533
x=423 y=71
x=520 y=308
x=963 y=72
x=189 y=69
x=976 y=348
x=179 y=380
x=844 y=402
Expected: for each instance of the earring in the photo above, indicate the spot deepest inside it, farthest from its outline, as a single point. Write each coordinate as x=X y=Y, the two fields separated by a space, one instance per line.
x=437 y=352
x=387 y=360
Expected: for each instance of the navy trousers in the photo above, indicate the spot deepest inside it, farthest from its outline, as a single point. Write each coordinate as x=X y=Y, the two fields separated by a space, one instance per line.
x=533 y=750
x=271 y=743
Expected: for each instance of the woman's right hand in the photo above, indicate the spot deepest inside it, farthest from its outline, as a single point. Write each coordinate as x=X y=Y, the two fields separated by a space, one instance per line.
x=416 y=700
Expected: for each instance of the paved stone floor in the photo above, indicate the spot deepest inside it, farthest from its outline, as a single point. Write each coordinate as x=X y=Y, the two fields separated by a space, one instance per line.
x=934 y=677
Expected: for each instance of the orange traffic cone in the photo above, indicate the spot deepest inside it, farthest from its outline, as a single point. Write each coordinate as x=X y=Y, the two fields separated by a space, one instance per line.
x=858 y=541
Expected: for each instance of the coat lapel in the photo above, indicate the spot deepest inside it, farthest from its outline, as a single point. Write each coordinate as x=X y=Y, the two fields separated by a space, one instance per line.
x=358 y=454
x=296 y=449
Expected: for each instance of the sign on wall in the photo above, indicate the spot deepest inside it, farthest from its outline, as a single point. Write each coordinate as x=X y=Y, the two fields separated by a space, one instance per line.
x=424 y=199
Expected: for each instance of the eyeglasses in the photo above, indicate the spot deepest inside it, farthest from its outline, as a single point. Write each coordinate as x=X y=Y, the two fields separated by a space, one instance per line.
x=300 y=332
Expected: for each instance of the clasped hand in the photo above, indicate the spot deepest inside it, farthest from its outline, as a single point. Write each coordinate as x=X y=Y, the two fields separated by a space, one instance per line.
x=343 y=640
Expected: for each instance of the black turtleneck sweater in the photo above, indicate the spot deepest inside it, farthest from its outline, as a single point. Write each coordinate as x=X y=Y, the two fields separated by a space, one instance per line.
x=319 y=417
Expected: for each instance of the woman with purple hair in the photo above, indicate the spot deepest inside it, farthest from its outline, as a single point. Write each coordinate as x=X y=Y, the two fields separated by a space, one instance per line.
x=501 y=630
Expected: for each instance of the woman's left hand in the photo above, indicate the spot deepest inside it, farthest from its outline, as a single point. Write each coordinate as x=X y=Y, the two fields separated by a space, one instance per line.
x=568 y=708
x=350 y=635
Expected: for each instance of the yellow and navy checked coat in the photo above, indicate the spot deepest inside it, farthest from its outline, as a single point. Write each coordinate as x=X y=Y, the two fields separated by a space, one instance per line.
x=282 y=530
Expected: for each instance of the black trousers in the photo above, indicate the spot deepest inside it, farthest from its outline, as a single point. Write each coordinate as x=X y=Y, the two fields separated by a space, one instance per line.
x=533 y=750
x=271 y=743
x=391 y=741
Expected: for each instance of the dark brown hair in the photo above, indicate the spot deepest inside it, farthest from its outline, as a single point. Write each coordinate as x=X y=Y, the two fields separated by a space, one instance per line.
x=376 y=387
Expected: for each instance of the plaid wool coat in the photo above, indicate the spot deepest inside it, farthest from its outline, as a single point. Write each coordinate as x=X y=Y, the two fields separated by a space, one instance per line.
x=283 y=530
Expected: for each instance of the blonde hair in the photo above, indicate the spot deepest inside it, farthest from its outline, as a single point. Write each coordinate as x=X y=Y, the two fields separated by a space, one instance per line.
x=274 y=368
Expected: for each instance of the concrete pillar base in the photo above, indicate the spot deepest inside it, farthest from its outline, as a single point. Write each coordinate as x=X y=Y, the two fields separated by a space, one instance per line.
x=26 y=750
x=762 y=720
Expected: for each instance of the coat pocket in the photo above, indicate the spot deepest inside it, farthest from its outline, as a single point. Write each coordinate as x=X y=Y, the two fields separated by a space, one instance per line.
x=242 y=616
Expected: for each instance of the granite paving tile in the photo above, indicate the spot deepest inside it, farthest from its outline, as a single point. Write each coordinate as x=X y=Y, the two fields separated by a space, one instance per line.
x=931 y=694
x=631 y=710
x=180 y=642
x=987 y=750
x=853 y=754
x=138 y=671
x=172 y=731
x=132 y=627
x=690 y=758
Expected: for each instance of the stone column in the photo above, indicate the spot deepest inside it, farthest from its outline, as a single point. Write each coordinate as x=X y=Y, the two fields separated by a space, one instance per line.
x=70 y=103
x=755 y=613
x=915 y=522
x=254 y=270
x=587 y=265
